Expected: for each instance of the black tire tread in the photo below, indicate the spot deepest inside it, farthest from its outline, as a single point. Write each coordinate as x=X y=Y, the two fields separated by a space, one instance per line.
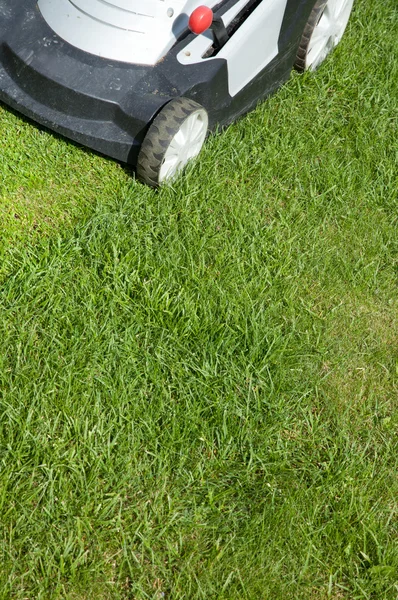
x=312 y=22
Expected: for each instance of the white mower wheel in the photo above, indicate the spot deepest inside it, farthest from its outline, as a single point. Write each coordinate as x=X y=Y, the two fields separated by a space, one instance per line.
x=324 y=30
x=174 y=138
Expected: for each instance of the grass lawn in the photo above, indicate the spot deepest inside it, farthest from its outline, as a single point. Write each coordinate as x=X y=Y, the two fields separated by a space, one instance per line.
x=199 y=386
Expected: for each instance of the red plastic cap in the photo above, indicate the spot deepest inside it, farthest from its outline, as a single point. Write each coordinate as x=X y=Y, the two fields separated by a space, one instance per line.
x=200 y=20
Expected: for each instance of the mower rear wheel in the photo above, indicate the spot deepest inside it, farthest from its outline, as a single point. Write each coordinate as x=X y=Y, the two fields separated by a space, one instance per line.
x=175 y=137
x=324 y=30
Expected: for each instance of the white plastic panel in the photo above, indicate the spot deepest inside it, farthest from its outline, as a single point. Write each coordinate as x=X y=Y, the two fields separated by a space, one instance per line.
x=134 y=31
x=252 y=47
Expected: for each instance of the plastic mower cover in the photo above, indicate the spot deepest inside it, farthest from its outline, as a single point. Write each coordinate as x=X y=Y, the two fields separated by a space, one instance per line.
x=144 y=81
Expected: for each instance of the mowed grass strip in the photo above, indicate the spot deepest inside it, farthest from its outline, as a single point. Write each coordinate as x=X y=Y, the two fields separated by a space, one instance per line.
x=198 y=386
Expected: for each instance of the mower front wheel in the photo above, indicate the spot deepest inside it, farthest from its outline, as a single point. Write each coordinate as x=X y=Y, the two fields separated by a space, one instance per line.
x=324 y=30
x=175 y=137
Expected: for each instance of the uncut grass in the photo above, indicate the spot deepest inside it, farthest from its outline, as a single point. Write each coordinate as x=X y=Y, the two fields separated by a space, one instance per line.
x=199 y=386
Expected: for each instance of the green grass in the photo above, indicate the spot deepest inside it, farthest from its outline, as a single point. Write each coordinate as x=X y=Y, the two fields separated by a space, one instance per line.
x=198 y=386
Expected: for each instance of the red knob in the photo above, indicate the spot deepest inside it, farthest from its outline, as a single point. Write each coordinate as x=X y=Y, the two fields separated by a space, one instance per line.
x=200 y=20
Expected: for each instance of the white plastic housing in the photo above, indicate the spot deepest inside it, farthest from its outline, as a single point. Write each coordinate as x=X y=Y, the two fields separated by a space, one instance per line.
x=133 y=31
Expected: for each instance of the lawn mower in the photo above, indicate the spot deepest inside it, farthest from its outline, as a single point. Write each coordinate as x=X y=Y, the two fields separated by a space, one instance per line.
x=144 y=81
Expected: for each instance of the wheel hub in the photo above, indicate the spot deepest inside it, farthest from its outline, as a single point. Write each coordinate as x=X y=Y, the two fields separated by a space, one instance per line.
x=328 y=31
x=185 y=145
